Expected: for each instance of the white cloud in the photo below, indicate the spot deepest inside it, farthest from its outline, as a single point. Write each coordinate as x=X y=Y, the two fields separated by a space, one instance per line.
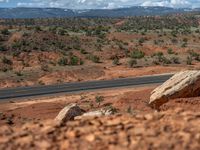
x=4 y=1
x=168 y=3
x=88 y=4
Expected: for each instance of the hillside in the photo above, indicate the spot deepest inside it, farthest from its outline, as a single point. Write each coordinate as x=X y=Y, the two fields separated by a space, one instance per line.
x=58 y=12
x=57 y=50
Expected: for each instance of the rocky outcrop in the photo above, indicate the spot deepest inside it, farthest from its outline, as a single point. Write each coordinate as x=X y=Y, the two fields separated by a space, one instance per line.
x=181 y=85
x=68 y=113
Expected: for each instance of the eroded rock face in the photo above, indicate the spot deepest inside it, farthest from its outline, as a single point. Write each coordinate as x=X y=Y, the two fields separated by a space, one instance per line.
x=182 y=85
x=68 y=113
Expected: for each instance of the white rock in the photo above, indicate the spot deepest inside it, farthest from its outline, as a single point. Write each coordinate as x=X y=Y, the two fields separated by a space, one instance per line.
x=97 y=113
x=68 y=113
x=182 y=85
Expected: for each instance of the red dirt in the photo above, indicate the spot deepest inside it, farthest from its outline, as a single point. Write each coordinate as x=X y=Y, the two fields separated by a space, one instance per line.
x=134 y=100
x=138 y=126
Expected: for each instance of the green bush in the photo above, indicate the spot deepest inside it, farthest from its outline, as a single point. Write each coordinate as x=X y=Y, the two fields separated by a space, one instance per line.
x=19 y=73
x=74 y=60
x=81 y=62
x=2 y=48
x=170 y=51
x=83 y=51
x=61 y=31
x=132 y=63
x=5 y=32
x=175 y=60
x=189 y=60
x=94 y=58
x=164 y=60
x=184 y=45
x=7 y=61
x=159 y=54
x=137 y=54
x=99 y=99
x=194 y=55
x=63 y=61
x=116 y=61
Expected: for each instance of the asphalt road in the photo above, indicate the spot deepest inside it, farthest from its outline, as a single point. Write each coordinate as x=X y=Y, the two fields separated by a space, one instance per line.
x=26 y=92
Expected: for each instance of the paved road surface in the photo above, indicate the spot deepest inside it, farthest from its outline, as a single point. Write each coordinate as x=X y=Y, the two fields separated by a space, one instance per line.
x=25 y=92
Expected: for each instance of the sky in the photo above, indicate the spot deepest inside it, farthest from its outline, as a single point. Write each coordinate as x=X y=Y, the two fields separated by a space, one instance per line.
x=102 y=4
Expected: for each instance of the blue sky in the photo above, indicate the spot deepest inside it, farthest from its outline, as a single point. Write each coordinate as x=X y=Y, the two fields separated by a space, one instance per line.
x=84 y=4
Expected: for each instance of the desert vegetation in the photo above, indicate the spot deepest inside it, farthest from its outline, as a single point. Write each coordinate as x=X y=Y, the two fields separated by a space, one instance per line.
x=34 y=51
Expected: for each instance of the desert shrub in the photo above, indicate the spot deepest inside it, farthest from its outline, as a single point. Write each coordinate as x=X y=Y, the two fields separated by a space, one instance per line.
x=170 y=51
x=5 y=68
x=19 y=73
x=174 y=41
x=81 y=62
x=2 y=48
x=37 y=29
x=83 y=51
x=155 y=42
x=137 y=54
x=116 y=61
x=112 y=109
x=160 y=58
x=197 y=31
x=74 y=60
x=159 y=54
x=77 y=46
x=189 y=60
x=165 y=60
x=132 y=63
x=174 y=33
x=130 y=110
x=94 y=58
x=5 y=32
x=194 y=55
x=15 y=53
x=63 y=61
x=99 y=99
x=17 y=45
x=141 y=40
x=185 y=40
x=45 y=68
x=52 y=29
x=184 y=45
x=175 y=60
x=126 y=51
x=7 y=61
x=61 y=31
x=41 y=82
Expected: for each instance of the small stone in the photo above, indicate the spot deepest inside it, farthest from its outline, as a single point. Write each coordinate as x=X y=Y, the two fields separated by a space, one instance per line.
x=90 y=138
x=148 y=116
x=139 y=131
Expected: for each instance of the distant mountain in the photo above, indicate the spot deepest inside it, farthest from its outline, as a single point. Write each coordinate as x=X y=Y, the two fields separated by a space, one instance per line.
x=21 y=12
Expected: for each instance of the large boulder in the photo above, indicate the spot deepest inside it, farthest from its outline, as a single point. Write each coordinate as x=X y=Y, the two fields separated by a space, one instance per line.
x=182 y=85
x=68 y=113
